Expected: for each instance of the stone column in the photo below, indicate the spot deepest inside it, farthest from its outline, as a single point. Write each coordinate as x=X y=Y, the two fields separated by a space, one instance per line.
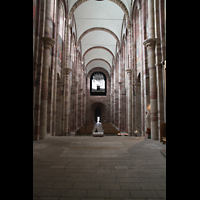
x=74 y=103
x=48 y=43
x=69 y=24
x=129 y=72
x=117 y=106
x=84 y=96
x=39 y=67
x=143 y=69
x=150 y=44
x=116 y=86
x=67 y=71
x=112 y=96
x=123 y=107
x=120 y=106
x=131 y=104
x=137 y=111
x=63 y=103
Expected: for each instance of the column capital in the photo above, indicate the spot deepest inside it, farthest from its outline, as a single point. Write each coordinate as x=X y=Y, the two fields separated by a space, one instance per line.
x=48 y=41
x=149 y=43
x=67 y=71
x=129 y=71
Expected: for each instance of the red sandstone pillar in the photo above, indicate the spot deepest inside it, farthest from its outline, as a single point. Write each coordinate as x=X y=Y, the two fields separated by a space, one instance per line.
x=129 y=72
x=120 y=106
x=48 y=43
x=130 y=108
x=150 y=44
x=67 y=71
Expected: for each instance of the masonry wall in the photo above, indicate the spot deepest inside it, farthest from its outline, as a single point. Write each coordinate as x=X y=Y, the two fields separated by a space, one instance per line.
x=93 y=102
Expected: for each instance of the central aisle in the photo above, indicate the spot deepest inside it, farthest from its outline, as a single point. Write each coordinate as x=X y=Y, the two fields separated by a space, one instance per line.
x=98 y=126
x=102 y=168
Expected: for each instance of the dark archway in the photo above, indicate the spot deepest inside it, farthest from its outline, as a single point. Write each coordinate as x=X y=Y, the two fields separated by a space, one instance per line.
x=97 y=114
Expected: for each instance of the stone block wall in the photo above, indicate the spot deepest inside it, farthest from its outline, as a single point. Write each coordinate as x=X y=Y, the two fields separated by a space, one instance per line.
x=102 y=102
x=93 y=102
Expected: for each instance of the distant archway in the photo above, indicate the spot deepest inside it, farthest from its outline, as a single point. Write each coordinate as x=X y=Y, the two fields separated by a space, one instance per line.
x=97 y=114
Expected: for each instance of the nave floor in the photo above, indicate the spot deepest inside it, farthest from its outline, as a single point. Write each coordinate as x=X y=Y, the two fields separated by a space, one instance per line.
x=98 y=168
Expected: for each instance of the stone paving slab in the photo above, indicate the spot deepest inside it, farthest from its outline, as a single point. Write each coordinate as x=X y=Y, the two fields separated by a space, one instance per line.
x=108 y=168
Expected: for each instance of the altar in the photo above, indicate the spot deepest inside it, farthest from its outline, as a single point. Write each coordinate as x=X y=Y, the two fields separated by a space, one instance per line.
x=101 y=134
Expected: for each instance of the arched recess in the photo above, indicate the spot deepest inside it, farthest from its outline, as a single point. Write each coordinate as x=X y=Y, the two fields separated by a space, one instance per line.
x=97 y=114
x=98 y=109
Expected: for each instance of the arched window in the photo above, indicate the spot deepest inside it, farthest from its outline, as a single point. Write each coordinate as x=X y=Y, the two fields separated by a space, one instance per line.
x=98 y=84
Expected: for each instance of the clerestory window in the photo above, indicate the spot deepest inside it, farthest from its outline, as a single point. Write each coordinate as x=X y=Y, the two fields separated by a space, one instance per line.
x=98 y=84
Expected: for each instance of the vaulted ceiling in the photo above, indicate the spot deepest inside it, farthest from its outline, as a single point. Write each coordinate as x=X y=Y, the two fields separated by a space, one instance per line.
x=99 y=26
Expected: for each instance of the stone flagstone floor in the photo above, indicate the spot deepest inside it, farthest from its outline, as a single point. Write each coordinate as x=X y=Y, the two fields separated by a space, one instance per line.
x=98 y=168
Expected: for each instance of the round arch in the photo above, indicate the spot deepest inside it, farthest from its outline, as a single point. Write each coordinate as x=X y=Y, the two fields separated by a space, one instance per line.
x=98 y=62
x=98 y=47
x=98 y=29
x=98 y=109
